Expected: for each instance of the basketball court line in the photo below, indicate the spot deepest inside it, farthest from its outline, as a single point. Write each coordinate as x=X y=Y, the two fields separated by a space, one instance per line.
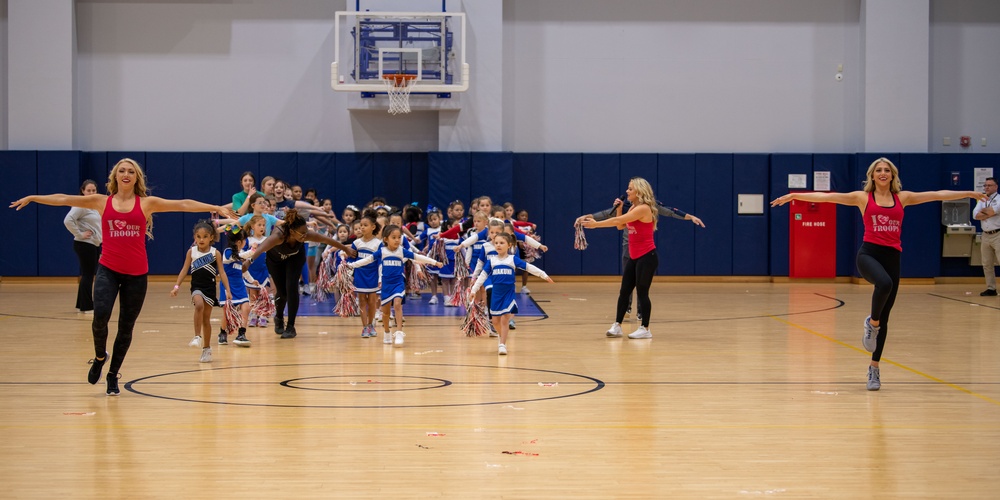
x=889 y=361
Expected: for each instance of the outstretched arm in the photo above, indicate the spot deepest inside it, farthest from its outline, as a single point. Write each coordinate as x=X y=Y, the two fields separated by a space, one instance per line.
x=916 y=198
x=854 y=198
x=322 y=238
x=91 y=201
x=637 y=212
x=154 y=204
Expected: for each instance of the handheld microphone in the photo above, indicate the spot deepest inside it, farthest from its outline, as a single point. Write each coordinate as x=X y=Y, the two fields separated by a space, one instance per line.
x=621 y=199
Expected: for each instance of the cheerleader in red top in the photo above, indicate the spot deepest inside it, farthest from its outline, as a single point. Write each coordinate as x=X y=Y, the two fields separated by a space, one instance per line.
x=643 y=261
x=881 y=204
x=126 y=220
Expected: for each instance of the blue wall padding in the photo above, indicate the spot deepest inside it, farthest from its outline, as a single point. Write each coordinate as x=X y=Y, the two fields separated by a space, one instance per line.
x=418 y=182
x=319 y=171
x=599 y=179
x=840 y=168
x=355 y=179
x=95 y=167
x=171 y=236
x=529 y=188
x=781 y=166
x=232 y=168
x=750 y=176
x=563 y=195
x=392 y=177
x=55 y=243
x=554 y=188
x=449 y=177
x=716 y=201
x=494 y=174
x=675 y=239
x=19 y=170
x=922 y=229
x=282 y=166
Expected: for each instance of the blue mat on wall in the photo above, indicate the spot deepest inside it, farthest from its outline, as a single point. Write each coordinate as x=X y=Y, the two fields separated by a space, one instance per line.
x=526 y=306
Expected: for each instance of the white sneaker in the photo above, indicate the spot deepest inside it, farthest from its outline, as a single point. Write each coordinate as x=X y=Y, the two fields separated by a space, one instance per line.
x=378 y=316
x=641 y=333
x=206 y=355
x=433 y=301
x=493 y=331
x=524 y=289
x=615 y=331
x=195 y=342
x=399 y=338
x=502 y=350
x=511 y=325
x=387 y=338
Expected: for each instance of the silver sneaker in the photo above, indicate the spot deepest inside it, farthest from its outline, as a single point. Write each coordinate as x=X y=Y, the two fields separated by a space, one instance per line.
x=640 y=333
x=874 y=383
x=615 y=331
x=870 y=338
x=387 y=338
x=399 y=338
x=195 y=342
x=206 y=355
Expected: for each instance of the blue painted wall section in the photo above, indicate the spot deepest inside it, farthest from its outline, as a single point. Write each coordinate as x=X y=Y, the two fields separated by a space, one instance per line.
x=555 y=188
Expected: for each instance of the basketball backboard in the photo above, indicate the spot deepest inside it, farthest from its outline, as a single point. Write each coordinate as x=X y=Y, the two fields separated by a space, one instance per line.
x=372 y=45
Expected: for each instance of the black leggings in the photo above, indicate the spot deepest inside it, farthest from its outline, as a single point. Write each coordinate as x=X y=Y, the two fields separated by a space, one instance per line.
x=638 y=276
x=285 y=276
x=880 y=265
x=88 y=255
x=131 y=293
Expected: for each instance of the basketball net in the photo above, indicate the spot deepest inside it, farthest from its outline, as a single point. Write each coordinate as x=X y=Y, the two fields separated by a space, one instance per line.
x=398 y=87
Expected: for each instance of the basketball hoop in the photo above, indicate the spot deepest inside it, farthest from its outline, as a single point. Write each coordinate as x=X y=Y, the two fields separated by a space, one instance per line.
x=398 y=87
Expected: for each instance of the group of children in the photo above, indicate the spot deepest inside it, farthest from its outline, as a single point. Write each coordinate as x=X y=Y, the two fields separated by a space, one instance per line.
x=481 y=251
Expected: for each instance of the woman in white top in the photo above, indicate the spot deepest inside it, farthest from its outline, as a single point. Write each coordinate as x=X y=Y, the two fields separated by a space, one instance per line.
x=85 y=225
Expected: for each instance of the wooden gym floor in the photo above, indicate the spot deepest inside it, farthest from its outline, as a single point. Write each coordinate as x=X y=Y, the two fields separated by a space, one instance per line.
x=746 y=390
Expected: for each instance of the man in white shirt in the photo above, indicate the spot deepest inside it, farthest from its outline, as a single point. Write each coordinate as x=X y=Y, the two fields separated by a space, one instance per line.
x=987 y=213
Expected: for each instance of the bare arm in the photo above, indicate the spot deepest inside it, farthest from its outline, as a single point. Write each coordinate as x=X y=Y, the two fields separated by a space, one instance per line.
x=314 y=236
x=853 y=199
x=182 y=274
x=154 y=204
x=637 y=212
x=92 y=201
x=915 y=198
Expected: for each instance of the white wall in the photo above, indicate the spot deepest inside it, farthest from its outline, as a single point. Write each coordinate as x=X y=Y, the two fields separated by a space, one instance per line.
x=681 y=75
x=965 y=74
x=3 y=71
x=548 y=75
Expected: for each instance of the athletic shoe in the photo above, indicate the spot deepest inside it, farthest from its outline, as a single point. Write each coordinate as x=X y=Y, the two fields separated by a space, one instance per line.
x=414 y=296
x=433 y=301
x=387 y=338
x=112 y=379
x=378 y=316
x=628 y=312
x=511 y=325
x=392 y=321
x=91 y=311
x=874 y=383
x=502 y=350
x=195 y=342
x=279 y=325
x=989 y=292
x=364 y=332
x=289 y=333
x=640 y=333
x=261 y=321
x=398 y=338
x=206 y=355
x=95 y=369
x=493 y=331
x=223 y=338
x=638 y=316
x=615 y=331
x=449 y=304
x=242 y=340
x=524 y=289
x=870 y=338
x=251 y=322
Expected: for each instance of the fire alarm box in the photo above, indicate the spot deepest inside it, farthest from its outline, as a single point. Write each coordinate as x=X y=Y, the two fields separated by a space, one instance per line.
x=965 y=141
x=812 y=242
